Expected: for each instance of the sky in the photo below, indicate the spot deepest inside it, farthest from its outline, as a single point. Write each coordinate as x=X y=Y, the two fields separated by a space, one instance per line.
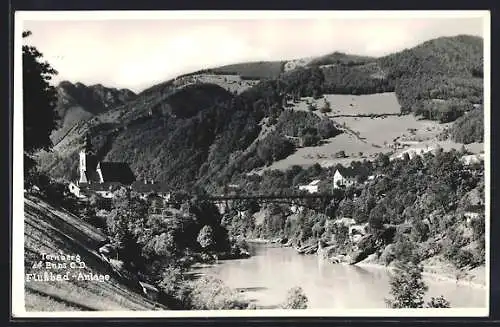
x=138 y=51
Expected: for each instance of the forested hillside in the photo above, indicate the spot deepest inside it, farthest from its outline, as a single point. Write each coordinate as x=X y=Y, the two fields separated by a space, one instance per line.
x=201 y=134
x=429 y=207
x=446 y=69
x=340 y=58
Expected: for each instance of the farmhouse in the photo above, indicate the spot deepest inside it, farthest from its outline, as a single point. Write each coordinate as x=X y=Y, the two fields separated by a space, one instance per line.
x=345 y=221
x=343 y=177
x=413 y=152
x=472 y=159
x=311 y=187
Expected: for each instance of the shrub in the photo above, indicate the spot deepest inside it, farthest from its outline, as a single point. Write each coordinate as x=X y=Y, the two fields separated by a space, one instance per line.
x=478 y=227
x=173 y=284
x=388 y=255
x=310 y=140
x=326 y=129
x=326 y=107
x=206 y=237
x=463 y=258
x=438 y=302
x=469 y=128
x=210 y=293
x=296 y=299
x=405 y=250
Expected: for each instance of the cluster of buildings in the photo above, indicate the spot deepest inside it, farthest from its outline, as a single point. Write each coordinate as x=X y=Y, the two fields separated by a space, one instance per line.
x=343 y=177
x=103 y=178
x=413 y=152
x=420 y=151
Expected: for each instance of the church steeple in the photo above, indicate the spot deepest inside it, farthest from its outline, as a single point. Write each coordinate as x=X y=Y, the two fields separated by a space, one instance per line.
x=89 y=149
x=85 y=153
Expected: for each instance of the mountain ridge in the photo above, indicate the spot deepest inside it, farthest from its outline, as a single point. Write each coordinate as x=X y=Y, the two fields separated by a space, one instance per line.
x=78 y=102
x=166 y=132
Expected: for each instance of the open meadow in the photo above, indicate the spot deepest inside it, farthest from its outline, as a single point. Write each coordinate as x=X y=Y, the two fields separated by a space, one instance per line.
x=365 y=137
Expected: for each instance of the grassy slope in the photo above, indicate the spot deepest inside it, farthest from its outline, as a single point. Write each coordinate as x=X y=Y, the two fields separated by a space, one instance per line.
x=78 y=103
x=49 y=230
x=372 y=131
x=72 y=116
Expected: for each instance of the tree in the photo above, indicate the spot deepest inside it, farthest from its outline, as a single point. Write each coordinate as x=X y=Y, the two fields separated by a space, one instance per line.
x=407 y=286
x=296 y=299
x=326 y=107
x=210 y=293
x=206 y=236
x=39 y=100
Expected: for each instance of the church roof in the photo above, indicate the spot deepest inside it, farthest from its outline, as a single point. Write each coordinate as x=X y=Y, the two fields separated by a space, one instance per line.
x=117 y=172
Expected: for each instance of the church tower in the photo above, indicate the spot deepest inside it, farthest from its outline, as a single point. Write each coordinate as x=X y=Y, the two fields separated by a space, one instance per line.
x=84 y=154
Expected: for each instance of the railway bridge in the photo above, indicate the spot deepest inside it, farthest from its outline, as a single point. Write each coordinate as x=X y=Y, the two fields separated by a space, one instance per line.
x=315 y=201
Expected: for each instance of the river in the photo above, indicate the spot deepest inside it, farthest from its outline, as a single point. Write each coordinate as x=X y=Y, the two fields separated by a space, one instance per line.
x=266 y=277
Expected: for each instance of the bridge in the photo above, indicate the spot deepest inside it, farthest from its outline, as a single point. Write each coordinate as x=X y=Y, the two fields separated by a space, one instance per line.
x=315 y=201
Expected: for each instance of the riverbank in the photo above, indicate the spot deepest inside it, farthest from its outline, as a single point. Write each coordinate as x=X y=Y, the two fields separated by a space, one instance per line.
x=430 y=273
x=258 y=240
x=435 y=268
x=265 y=278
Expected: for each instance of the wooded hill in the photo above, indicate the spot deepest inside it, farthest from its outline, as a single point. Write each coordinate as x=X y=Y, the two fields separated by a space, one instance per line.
x=201 y=134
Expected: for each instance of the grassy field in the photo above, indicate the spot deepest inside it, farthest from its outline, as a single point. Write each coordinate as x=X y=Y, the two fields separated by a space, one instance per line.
x=365 y=137
x=232 y=83
x=52 y=231
x=346 y=104
x=73 y=115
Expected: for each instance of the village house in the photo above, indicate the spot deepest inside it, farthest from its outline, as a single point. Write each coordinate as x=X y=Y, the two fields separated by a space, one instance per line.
x=311 y=187
x=473 y=212
x=413 y=152
x=344 y=177
x=345 y=221
x=472 y=159
x=297 y=141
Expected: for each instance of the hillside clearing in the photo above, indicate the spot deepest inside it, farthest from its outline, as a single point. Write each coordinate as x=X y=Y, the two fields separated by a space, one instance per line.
x=346 y=104
x=365 y=137
x=232 y=83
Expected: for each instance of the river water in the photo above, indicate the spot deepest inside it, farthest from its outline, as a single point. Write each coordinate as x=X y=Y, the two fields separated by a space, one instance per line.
x=266 y=277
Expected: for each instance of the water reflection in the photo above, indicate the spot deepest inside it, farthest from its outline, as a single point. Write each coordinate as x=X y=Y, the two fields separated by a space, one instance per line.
x=271 y=271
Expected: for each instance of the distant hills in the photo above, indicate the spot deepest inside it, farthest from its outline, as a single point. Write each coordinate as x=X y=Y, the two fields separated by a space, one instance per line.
x=78 y=102
x=204 y=127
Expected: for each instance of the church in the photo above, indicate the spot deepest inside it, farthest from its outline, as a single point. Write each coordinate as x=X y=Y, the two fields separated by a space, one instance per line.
x=99 y=176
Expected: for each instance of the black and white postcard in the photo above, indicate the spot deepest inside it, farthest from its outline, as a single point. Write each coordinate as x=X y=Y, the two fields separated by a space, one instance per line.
x=251 y=163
